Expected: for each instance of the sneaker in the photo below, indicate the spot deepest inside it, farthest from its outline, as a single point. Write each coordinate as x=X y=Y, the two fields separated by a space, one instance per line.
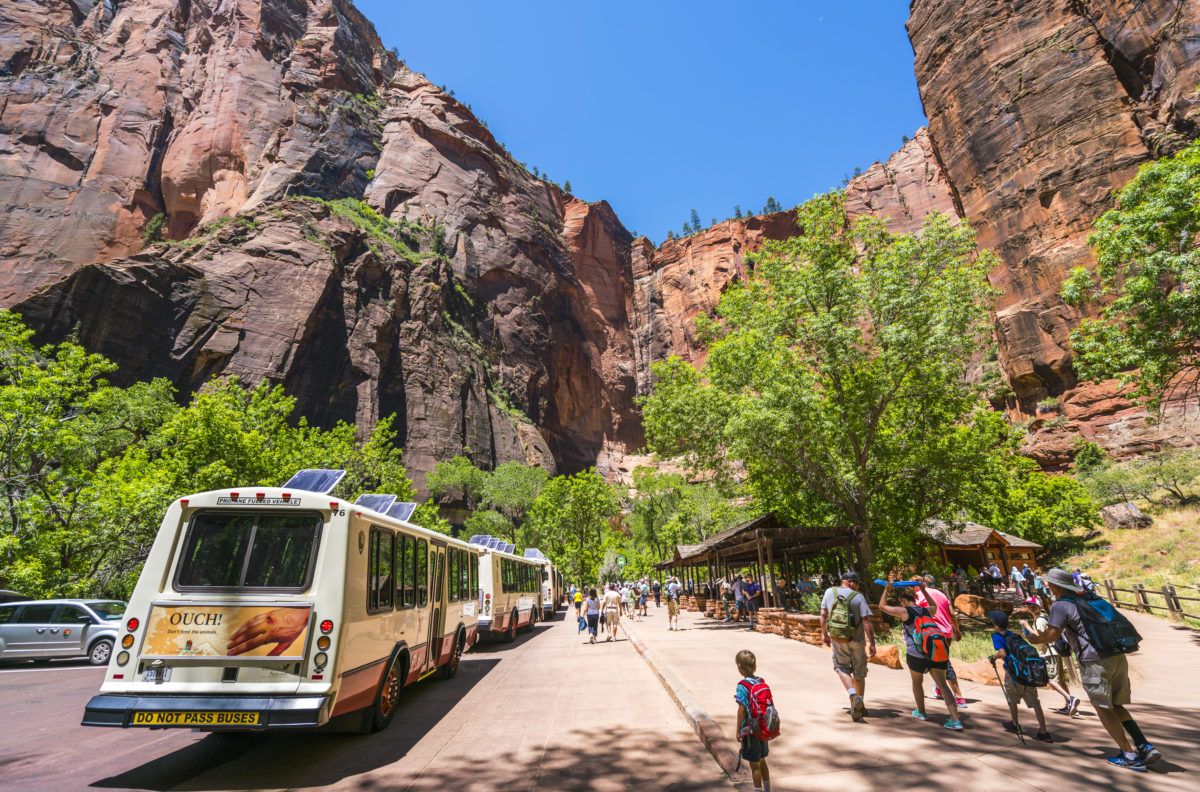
x=953 y=725
x=1134 y=764
x=937 y=693
x=1044 y=736
x=1073 y=706
x=857 y=709
x=1012 y=728
x=1063 y=710
x=961 y=703
x=919 y=715
x=1148 y=754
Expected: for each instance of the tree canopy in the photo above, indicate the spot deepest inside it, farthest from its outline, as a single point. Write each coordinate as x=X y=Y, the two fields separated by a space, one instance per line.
x=836 y=378
x=570 y=521
x=1148 y=281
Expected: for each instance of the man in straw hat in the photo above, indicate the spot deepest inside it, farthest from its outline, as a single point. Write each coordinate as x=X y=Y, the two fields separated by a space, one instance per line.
x=1103 y=672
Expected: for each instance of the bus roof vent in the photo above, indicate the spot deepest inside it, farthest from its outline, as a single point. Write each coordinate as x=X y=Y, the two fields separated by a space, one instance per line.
x=318 y=480
x=375 y=502
x=402 y=510
x=534 y=553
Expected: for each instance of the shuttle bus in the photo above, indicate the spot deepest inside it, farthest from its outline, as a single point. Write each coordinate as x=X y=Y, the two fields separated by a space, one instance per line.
x=511 y=589
x=283 y=608
x=552 y=583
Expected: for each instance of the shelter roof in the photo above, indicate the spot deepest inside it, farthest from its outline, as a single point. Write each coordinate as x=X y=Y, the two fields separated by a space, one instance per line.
x=971 y=534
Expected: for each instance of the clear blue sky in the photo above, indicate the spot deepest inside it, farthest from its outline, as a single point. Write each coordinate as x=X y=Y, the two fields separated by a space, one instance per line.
x=659 y=107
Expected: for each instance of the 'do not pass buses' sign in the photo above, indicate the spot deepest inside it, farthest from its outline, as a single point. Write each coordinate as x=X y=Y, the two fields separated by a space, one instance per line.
x=217 y=630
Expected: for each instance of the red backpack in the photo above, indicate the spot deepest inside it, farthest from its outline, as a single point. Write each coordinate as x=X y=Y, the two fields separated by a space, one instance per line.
x=930 y=639
x=762 y=719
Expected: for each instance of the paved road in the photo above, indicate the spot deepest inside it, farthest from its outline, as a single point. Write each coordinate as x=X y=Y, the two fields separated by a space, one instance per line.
x=546 y=712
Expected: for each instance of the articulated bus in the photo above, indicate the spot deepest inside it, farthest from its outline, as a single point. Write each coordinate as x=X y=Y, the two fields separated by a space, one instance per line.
x=272 y=608
x=511 y=589
x=552 y=583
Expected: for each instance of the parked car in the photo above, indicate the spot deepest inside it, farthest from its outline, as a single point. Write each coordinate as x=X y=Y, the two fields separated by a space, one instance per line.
x=11 y=596
x=61 y=628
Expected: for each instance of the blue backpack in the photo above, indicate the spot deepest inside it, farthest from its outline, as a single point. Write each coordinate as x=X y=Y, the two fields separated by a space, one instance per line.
x=1107 y=628
x=1023 y=663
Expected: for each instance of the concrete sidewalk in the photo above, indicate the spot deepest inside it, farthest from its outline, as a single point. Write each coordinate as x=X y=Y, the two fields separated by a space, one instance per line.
x=820 y=748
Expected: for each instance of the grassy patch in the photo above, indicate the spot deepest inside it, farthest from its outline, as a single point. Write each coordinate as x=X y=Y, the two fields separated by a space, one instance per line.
x=378 y=229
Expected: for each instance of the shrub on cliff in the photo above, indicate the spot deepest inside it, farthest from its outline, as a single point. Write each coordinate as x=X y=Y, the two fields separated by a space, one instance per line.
x=1148 y=250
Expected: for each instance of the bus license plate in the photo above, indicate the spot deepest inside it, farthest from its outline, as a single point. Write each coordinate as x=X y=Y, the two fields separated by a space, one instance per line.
x=169 y=718
x=157 y=675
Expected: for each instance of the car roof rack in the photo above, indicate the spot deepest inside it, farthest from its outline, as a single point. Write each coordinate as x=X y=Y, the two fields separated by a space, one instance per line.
x=318 y=480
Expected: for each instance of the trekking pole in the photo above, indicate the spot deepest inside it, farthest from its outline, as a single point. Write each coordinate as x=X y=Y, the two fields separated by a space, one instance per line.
x=1020 y=732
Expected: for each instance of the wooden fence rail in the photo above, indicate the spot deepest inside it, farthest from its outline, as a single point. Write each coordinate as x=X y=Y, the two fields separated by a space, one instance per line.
x=1173 y=601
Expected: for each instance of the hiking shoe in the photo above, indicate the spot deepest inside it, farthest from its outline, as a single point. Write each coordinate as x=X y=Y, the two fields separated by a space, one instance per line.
x=961 y=703
x=1134 y=764
x=937 y=693
x=1012 y=728
x=953 y=725
x=919 y=715
x=1073 y=706
x=858 y=709
x=1063 y=710
x=1044 y=736
x=1148 y=754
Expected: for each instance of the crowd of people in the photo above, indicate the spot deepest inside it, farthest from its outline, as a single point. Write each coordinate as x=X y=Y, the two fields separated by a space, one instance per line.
x=603 y=609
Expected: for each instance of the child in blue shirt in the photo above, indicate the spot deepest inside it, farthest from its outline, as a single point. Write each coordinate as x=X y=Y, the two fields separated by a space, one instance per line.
x=1012 y=691
x=753 y=749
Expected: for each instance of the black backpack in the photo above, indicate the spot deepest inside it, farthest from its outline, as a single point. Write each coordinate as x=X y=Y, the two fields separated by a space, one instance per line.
x=1107 y=628
x=1023 y=662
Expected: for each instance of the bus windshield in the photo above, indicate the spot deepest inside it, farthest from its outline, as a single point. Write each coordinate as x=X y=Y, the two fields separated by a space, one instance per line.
x=249 y=550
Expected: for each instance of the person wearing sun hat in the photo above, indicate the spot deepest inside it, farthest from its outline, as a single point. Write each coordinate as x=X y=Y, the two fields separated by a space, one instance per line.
x=1104 y=675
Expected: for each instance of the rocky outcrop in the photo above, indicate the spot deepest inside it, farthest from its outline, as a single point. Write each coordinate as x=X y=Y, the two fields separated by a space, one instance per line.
x=1037 y=113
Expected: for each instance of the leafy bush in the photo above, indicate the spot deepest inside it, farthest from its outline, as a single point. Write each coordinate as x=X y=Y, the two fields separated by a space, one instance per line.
x=153 y=231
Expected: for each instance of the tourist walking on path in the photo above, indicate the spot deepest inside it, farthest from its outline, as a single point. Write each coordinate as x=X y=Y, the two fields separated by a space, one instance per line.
x=727 y=598
x=753 y=750
x=927 y=649
x=612 y=611
x=645 y=596
x=751 y=592
x=739 y=596
x=1018 y=580
x=948 y=623
x=996 y=575
x=1099 y=642
x=672 y=604
x=578 y=597
x=593 y=614
x=656 y=587
x=1027 y=576
x=631 y=596
x=1058 y=665
x=1003 y=640
x=846 y=626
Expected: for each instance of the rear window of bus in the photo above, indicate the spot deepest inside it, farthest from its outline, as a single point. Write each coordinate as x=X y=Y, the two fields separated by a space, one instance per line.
x=262 y=551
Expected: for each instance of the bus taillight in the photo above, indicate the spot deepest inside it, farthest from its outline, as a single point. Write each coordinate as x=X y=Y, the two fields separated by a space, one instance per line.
x=327 y=626
x=132 y=624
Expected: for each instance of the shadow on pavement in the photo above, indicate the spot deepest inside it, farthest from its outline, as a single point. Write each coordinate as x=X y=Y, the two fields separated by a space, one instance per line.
x=312 y=758
x=490 y=646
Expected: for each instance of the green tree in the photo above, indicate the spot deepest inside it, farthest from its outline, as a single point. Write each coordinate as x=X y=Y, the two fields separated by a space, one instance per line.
x=772 y=206
x=695 y=218
x=489 y=523
x=1148 y=278
x=457 y=479
x=570 y=522
x=511 y=489
x=567 y=186
x=836 y=376
x=737 y=211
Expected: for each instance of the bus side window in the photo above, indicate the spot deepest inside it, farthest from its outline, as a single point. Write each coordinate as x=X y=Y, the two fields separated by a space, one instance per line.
x=379 y=571
x=410 y=572
x=387 y=565
x=452 y=587
x=422 y=572
x=401 y=568
x=474 y=559
x=464 y=575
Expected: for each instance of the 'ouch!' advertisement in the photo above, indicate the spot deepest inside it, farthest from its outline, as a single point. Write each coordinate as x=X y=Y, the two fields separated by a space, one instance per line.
x=199 y=630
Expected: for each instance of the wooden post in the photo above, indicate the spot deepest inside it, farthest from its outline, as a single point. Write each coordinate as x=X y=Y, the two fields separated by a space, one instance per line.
x=1112 y=592
x=1172 y=606
x=771 y=574
x=1139 y=593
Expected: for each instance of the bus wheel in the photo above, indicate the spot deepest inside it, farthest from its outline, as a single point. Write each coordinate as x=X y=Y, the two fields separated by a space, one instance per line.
x=510 y=634
x=451 y=667
x=388 y=696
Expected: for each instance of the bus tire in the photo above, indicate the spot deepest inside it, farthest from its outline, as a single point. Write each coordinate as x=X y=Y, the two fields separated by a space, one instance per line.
x=510 y=634
x=451 y=667
x=533 y=614
x=387 y=698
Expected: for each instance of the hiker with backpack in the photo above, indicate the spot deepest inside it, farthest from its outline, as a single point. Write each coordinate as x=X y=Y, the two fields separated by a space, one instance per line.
x=1101 y=637
x=846 y=626
x=757 y=719
x=1024 y=672
x=1056 y=655
x=927 y=648
x=949 y=623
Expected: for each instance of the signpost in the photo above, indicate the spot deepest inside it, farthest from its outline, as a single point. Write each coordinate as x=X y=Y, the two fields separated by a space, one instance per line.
x=621 y=561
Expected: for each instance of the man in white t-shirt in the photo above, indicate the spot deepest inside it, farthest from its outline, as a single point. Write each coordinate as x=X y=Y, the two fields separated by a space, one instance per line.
x=612 y=611
x=855 y=641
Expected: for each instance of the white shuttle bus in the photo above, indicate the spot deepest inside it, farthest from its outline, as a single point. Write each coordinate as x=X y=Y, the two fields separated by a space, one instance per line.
x=511 y=589
x=552 y=583
x=282 y=608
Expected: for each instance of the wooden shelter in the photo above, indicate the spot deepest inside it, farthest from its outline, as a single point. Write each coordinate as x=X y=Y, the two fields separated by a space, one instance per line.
x=969 y=544
x=775 y=553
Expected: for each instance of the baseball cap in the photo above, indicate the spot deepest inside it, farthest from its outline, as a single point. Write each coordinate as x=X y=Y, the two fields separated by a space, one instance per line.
x=850 y=576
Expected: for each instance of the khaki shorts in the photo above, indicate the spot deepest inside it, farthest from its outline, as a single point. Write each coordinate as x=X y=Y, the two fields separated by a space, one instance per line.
x=850 y=657
x=1106 y=681
x=612 y=617
x=672 y=607
x=1021 y=693
x=1059 y=668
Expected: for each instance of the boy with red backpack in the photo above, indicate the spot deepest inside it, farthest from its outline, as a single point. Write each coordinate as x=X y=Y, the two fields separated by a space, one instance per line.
x=757 y=719
x=928 y=648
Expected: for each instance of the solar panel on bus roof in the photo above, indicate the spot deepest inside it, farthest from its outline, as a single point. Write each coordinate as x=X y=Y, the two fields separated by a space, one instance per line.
x=403 y=510
x=318 y=480
x=510 y=548
x=533 y=552
x=376 y=502
x=495 y=543
x=478 y=538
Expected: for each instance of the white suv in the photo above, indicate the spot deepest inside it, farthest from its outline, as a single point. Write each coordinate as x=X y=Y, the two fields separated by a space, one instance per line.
x=61 y=628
